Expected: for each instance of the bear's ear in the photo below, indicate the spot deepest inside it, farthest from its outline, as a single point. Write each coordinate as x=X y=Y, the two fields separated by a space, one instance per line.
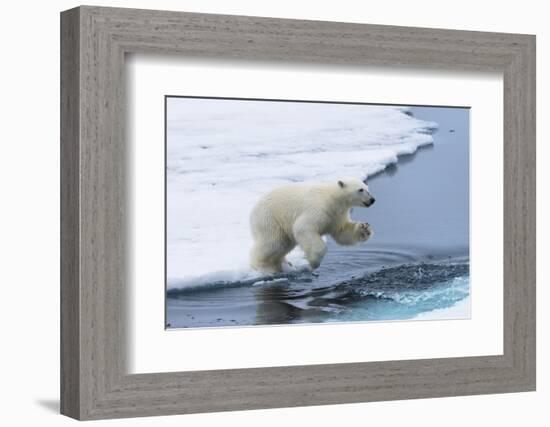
x=341 y=184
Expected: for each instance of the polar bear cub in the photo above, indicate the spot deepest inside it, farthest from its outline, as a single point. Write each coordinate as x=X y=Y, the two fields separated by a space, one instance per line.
x=300 y=214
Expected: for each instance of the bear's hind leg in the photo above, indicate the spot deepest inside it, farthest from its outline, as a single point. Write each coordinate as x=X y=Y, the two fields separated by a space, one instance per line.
x=268 y=257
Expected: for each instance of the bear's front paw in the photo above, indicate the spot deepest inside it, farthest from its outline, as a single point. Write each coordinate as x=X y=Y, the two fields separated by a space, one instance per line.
x=364 y=231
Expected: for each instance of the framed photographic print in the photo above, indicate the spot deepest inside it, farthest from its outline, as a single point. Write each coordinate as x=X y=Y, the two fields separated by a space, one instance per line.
x=277 y=177
x=262 y=213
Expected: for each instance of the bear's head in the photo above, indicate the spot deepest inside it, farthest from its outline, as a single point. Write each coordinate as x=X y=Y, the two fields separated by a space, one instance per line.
x=355 y=192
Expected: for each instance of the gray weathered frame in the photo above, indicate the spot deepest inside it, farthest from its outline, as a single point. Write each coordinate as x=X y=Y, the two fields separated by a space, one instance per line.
x=94 y=41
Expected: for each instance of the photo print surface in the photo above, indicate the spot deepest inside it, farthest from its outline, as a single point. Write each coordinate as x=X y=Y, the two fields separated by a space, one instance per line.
x=293 y=212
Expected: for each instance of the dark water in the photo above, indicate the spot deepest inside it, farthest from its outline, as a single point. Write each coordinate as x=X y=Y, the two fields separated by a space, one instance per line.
x=417 y=260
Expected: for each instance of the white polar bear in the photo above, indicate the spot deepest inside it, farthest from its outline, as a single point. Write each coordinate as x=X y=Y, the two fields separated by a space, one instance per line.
x=300 y=214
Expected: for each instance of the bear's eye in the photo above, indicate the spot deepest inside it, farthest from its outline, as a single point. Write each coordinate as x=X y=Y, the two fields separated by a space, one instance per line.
x=361 y=190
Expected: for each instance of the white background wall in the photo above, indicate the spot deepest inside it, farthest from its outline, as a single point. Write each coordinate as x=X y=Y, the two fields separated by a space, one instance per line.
x=29 y=224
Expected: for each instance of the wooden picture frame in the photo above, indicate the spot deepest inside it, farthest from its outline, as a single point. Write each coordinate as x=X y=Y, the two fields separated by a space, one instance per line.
x=94 y=382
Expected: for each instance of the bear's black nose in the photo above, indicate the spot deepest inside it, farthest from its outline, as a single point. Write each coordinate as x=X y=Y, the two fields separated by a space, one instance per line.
x=372 y=200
